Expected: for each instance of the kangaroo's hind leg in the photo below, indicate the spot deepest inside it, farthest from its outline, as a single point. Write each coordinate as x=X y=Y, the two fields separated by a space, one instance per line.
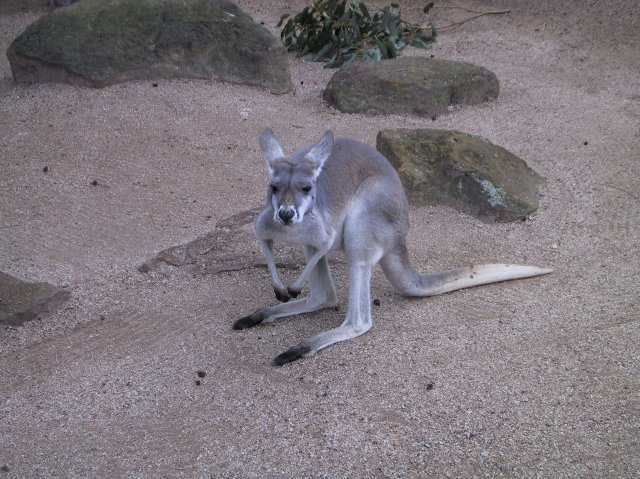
x=321 y=295
x=357 y=322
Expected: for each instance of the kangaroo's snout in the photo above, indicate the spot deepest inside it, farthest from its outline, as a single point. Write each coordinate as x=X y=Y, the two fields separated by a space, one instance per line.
x=286 y=214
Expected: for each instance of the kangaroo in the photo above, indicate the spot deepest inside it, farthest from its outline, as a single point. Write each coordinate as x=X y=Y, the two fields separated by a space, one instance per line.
x=344 y=195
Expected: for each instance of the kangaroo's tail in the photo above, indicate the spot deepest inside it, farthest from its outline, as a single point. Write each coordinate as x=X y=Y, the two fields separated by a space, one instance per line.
x=398 y=269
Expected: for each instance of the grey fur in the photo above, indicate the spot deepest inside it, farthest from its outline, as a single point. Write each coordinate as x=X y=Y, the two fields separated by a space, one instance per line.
x=344 y=195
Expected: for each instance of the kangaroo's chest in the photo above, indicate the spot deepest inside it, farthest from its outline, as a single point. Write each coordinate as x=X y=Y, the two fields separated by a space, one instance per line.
x=312 y=231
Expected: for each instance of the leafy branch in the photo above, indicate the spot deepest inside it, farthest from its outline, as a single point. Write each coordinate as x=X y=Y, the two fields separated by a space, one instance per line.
x=339 y=31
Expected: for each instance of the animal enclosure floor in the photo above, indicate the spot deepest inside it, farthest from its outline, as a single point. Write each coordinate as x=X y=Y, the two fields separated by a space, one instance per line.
x=531 y=378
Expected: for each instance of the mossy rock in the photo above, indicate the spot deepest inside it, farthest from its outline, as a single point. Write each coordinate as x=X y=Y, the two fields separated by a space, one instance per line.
x=422 y=86
x=100 y=42
x=464 y=171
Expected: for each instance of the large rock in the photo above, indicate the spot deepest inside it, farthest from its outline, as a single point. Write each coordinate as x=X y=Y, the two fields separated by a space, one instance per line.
x=100 y=42
x=460 y=170
x=21 y=301
x=424 y=86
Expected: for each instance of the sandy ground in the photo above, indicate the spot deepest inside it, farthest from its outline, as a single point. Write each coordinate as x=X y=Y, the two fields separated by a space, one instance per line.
x=533 y=378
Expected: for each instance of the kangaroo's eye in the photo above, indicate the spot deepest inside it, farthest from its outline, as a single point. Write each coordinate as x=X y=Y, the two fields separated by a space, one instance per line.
x=306 y=189
x=274 y=189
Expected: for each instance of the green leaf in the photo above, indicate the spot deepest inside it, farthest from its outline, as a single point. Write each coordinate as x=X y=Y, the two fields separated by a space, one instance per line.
x=322 y=52
x=341 y=7
x=391 y=26
x=282 y=18
x=349 y=60
x=364 y=10
x=384 y=53
x=355 y=28
x=302 y=16
x=417 y=42
x=399 y=45
x=374 y=54
x=391 y=48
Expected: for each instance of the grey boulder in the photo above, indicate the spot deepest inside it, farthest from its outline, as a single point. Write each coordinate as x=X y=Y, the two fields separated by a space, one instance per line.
x=466 y=172
x=423 y=86
x=100 y=42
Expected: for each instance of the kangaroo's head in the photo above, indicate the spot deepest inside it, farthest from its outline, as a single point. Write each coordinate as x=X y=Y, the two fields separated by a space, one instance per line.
x=292 y=187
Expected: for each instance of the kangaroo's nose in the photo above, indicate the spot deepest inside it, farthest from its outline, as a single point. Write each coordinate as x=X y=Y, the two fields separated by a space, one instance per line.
x=286 y=214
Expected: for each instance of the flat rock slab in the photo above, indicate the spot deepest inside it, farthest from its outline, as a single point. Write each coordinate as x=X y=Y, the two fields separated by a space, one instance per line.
x=466 y=172
x=423 y=86
x=100 y=42
x=21 y=301
x=231 y=246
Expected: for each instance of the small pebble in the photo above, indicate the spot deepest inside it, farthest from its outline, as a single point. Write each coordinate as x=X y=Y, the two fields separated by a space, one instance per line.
x=197 y=382
x=45 y=169
x=376 y=302
x=94 y=182
x=201 y=374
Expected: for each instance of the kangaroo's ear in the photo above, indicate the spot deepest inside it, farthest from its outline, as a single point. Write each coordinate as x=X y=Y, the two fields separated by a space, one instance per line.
x=271 y=149
x=320 y=152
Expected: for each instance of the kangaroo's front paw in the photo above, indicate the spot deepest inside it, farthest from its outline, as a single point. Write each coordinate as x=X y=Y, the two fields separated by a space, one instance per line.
x=291 y=354
x=282 y=295
x=249 y=321
x=294 y=293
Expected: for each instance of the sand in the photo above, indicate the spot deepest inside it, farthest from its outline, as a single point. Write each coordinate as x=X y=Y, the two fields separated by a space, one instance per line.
x=532 y=378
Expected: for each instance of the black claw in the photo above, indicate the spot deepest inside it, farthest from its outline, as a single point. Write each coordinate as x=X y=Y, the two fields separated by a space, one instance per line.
x=290 y=355
x=249 y=321
x=282 y=296
x=294 y=293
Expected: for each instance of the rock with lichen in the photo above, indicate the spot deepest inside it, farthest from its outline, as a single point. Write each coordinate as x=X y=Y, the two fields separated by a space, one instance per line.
x=464 y=171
